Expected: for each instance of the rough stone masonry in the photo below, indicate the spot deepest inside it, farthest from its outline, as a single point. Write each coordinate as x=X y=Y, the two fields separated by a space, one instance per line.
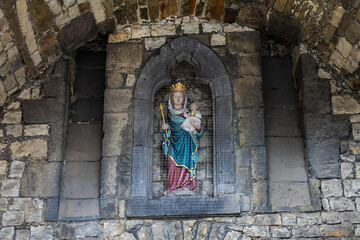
x=34 y=115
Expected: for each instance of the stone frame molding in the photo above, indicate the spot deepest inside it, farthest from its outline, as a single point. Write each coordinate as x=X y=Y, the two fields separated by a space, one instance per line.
x=154 y=75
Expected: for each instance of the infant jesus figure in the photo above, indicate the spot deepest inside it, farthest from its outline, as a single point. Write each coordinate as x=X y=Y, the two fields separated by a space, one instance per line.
x=194 y=115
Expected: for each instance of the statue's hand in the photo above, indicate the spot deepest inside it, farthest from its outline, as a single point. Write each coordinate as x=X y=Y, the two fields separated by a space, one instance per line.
x=165 y=126
x=195 y=124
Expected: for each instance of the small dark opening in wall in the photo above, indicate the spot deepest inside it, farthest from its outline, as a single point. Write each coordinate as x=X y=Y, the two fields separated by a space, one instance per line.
x=80 y=190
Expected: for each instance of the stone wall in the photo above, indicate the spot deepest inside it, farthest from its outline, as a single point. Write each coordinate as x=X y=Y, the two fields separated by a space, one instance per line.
x=34 y=116
x=34 y=34
x=32 y=129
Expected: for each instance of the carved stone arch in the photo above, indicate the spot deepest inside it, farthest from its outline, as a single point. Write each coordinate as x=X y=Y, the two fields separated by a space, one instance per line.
x=154 y=75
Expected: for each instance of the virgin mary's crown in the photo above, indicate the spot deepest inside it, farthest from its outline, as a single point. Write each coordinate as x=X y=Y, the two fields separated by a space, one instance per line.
x=178 y=87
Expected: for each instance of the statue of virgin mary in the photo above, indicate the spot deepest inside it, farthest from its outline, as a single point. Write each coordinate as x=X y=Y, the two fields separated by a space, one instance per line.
x=180 y=146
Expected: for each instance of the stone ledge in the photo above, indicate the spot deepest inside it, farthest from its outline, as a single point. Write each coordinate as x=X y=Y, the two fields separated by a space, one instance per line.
x=184 y=206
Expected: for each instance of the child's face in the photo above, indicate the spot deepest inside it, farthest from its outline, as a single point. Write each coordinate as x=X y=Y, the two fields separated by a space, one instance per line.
x=194 y=106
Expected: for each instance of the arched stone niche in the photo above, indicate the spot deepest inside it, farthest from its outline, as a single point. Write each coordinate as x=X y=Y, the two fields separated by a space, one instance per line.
x=154 y=75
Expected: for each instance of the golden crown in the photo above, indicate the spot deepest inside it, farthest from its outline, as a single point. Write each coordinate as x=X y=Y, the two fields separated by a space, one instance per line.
x=177 y=87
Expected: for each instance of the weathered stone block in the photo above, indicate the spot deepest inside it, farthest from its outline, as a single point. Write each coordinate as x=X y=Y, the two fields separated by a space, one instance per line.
x=331 y=217
x=41 y=232
x=13 y=218
x=306 y=231
x=331 y=188
x=342 y=230
x=249 y=65
x=351 y=65
x=130 y=80
x=114 y=78
x=3 y=204
x=140 y=31
x=297 y=195
x=117 y=100
x=127 y=56
x=75 y=208
x=257 y=231
x=3 y=94
x=108 y=176
x=354 y=147
x=284 y=26
x=211 y=27
x=347 y=170
x=232 y=28
x=36 y=130
x=14 y=130
x=41 y=180
x=316 y=96
x=258 y=163
x=324 y=158
x=52 y=209
x=337 y=15
x=32 y=148
x=41 y=111
x=252 y=14
x=64 y=230
x=190 y=27
x=22 y=234
x=124 y=186
x=77 y=32
x=81 y=180
x=247 y=92
x=113 y=228
x=337 y=59
x=259 y=197
x=342 y=204
x=280 y=232
x=16 y=169
x=127 y=236
x=243 y=181
x=12 y=117
x=90 y=229
x=218 y=40
x=84 y=142
x=3 y=165
x=323 y=126
x=7 y=233
x=344 y=47
x=10 y=188
x=154 y=43
x=352 y=188
x=251 y=126
x=281 y=150
x=34 y=215
x=114 y=124
x=20 y=204
x=244 y=42
x=43 y=17
x=356 y=131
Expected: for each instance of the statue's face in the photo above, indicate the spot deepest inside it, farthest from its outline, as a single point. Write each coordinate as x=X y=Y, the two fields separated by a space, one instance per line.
x=178 y=100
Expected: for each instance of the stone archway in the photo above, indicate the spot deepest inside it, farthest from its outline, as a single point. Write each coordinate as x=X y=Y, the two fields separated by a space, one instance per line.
x=154 y=75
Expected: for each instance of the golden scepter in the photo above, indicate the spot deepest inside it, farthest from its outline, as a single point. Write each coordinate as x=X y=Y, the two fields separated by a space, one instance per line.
x=161 y=107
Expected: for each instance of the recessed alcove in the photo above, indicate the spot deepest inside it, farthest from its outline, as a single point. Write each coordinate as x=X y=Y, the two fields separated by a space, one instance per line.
x=200 y=94
x=153 y=79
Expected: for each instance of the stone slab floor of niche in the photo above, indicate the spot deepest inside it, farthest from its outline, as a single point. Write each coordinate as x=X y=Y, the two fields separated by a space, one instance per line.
x=80 y=188
x=288 y=181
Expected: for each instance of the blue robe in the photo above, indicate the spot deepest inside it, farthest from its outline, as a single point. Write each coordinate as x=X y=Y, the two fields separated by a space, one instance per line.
x=181 y=146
